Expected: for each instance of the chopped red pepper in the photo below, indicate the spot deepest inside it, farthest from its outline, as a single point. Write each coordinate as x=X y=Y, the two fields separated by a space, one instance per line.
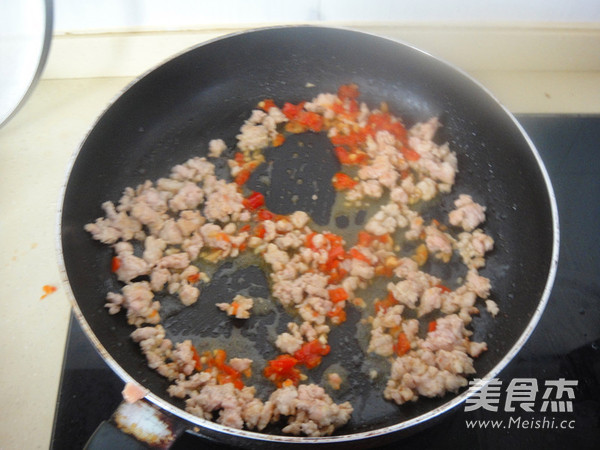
x=384 y=271
x=348 y=108
x=351 y=140
x=227 y=369
x=336 y=252
x=336 y=275
x=281 y=369
x=193 y=277
x=337 y=315
x=48 y=289
x=443 y=288
x=341 y=181
x=222 y=237
x=266 y=104
x=410 y=154
x=338 y=294
x=291 y=111
x=342 y=155
x=310 y=120
x=239 y=158
x=349 y=157
x=254 y=201
x=260 y=231
x=358 y=157
x=355 y=254
x=196 y=358
x=365 y=238
x=245 y=228
x=311 y=352
x=333 y=239
x=217 y=360
x=309 y=240
x=265 y=214
x=278 y=140
x=242 y=177
x=224 y=379
x=402 y=345
x=346 y=91
x=432 y=326
x=384 y=304
x=115 y=263
x=384 y=121
x=220 y=356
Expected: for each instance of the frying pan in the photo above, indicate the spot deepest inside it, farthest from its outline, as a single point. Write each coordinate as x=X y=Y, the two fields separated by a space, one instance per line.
x=171 y=113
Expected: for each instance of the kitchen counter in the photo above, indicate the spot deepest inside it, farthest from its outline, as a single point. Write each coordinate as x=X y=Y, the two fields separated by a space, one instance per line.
x=35 y=149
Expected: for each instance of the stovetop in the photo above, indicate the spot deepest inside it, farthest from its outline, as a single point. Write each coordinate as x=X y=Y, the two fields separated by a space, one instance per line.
x=563 y=350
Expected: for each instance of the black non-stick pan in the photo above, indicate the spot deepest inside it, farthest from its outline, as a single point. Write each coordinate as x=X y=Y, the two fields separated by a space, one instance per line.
x=170 y=115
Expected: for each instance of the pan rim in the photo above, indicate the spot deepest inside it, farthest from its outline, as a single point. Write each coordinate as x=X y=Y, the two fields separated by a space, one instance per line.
x=359 y=436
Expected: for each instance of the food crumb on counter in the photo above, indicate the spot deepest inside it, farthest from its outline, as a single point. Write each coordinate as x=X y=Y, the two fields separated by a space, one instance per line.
x=48 y=289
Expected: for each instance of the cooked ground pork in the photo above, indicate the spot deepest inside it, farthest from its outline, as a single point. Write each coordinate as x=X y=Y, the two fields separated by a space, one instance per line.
x=216 y=147
x=310 y=410
x=473 y=248
x=427 y=373
x=468 y=214
x=239 y=307
x=334 y=380
x=160 y=231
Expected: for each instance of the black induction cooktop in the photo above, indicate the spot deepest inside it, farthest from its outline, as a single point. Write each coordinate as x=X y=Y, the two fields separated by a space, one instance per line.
x=547 y=397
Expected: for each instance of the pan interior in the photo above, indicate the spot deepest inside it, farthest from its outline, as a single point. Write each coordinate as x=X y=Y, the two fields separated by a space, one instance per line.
x=173 y=112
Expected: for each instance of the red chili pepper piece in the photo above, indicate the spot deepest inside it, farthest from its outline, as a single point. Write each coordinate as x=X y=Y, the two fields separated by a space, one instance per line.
x=278 y=140
x=337 y=315
x=341 y=181
x=386 y=303
x=410 y=154
x=265 y=214
x=342 y=155
x=282 y=369
x=443 y=288
x=310 y=120
x=311 y=352
x=193 y=278
x=242 y=176
x=254 y=201
x=266 y=104
x=346 y=91
x=291 y=111
x=432 y=326
x=338 y=294
x=402 y=345
x=115 y=263
x=355 y=254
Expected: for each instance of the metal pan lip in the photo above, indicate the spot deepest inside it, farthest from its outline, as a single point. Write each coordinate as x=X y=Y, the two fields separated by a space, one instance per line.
x=43 y=58
x=399 y=428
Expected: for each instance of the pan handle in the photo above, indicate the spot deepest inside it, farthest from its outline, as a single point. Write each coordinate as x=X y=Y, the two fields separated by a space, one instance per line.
x=108 y=435
x=139 y=425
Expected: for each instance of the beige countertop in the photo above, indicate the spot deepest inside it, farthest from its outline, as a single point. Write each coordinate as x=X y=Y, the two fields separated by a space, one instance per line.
x=37 y=144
